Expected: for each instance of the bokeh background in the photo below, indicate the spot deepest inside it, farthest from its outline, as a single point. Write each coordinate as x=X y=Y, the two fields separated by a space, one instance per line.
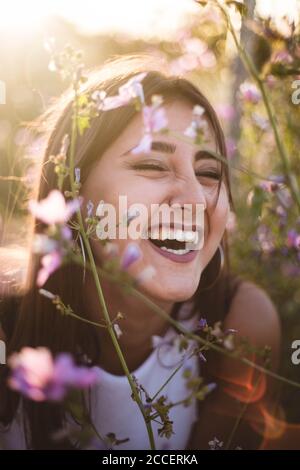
x=195 y=40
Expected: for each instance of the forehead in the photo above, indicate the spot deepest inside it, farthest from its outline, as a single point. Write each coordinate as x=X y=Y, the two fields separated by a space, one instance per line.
x=179 y=114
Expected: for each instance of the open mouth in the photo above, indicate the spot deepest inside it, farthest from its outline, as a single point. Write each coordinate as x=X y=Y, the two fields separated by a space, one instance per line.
x=172 y=246
x=178 y=242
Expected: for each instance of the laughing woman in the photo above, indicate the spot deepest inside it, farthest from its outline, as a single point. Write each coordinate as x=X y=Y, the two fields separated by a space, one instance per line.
x=187 y=286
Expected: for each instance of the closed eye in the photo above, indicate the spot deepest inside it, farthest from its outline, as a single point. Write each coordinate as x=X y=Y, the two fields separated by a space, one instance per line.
x=148 y=166
x=209 y=174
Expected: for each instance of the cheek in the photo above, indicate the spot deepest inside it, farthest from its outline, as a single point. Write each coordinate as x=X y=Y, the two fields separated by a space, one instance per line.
x=218 y=215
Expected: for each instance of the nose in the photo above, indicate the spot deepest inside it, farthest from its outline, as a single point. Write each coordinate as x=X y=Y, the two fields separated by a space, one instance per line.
x=187 y=190
x=189 y=195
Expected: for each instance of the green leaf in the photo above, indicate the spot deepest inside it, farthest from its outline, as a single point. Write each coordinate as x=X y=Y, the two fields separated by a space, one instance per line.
x=82 y=100
x=83 y=123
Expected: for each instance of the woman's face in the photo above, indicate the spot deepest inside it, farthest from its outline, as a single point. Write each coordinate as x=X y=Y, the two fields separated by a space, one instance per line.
x=160 y=177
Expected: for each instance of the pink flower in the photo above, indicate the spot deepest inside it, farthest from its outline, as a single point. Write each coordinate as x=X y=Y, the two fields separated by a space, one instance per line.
x=50 y=262
x=225 y=112
x=195 y=54
x=283 y=57
x=33 y=369
x=270 y=81
x=133 y=88
x=37 y=376
x=250 y=93
x=53 y=250
x=155 y=120
x=198 y=128
x=54 y=209
x=230 y=147
x=128 y=92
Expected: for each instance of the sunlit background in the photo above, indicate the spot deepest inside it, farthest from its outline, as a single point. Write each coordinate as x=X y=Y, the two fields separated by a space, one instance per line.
x=181 y=32
x=138 y=18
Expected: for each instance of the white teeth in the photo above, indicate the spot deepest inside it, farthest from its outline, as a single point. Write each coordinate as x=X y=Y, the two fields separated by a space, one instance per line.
x=155 y=234
x=165 y=234
x=177 y=252
x=191 y=237
x=179 y=235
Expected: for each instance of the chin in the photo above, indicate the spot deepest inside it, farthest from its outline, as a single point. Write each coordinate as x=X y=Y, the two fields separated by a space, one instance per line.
x=164 y=292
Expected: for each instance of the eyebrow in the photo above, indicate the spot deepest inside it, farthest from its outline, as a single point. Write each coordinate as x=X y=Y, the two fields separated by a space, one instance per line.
x=163 y=147
x=167 y=147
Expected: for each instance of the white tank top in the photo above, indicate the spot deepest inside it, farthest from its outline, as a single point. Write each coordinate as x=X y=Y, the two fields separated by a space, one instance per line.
x=114 y=411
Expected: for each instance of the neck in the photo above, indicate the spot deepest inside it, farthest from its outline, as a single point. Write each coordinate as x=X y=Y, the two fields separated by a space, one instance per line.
x=140 y=323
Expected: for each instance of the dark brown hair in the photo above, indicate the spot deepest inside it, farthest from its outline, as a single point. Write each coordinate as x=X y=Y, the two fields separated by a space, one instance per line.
x=38 y=323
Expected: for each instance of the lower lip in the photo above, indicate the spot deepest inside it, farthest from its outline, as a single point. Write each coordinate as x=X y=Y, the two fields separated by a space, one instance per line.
x=187 y=258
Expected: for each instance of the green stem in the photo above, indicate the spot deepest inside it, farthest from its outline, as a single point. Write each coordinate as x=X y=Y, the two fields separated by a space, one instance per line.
x=85 y=320
x=170 y=377
x=97 y=281
x=249 y=65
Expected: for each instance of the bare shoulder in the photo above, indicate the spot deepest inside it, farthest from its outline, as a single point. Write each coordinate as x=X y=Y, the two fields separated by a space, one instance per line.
x=253 y=314
x=254 y=317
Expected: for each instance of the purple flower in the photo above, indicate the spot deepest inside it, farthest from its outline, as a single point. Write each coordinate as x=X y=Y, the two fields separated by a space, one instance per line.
x=77 y=175
x=37 y=376
x=54 y=209
x=50 y=263
x=278 y=178
x=90 y=208
x=53 y=251
x=202 y=324
x=291 y=238
x=250 y=93
x=132 y=253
